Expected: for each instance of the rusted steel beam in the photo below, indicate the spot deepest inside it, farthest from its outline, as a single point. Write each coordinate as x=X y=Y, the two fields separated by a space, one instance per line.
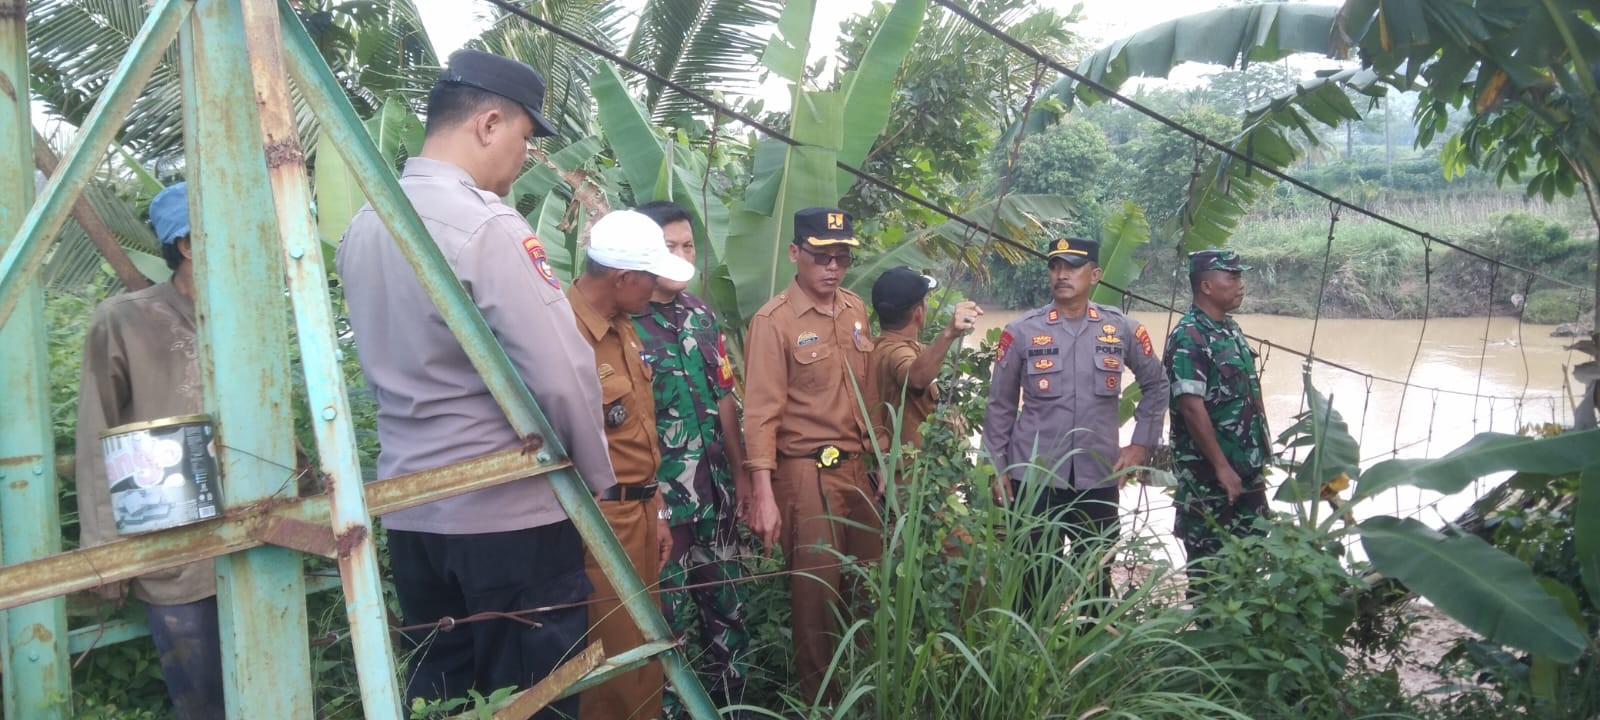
x=85 y=568
x=351 y=530
x=242 y=310
x=33 y=660
x=524 y=704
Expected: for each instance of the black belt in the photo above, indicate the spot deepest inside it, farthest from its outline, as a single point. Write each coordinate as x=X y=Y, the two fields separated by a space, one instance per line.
x=826 y=457
x=630 y=492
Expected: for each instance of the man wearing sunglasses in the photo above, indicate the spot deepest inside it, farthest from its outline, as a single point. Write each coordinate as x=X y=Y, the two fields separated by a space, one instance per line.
x=805 y=433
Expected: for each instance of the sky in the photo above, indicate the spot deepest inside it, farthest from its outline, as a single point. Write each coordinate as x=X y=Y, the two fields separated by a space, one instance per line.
x=451 y=23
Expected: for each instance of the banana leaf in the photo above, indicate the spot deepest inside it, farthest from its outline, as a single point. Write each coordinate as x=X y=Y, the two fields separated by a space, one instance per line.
x=869 y=89
x=786 y=52
x=1121 y=236
x=1485 y=454
x=1232 y=37
x=1334 y=451
x=1587 y=529
x=1480 y=586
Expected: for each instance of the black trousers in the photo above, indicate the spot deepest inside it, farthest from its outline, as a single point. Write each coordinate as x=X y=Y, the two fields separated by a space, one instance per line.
x=1093 y=518
x=438 y=576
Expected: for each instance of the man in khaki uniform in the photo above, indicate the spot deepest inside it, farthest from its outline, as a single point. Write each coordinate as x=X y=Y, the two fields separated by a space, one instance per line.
x=510 y=547
x=805 y=433
x=140 y=364
x=627 y=252
x=903 y=369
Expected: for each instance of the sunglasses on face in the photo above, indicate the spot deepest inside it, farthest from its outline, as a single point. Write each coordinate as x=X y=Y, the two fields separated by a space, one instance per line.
x=824 y=259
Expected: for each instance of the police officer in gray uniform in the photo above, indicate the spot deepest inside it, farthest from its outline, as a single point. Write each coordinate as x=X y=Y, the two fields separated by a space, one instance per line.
x=1065 y=362
x=509 y=547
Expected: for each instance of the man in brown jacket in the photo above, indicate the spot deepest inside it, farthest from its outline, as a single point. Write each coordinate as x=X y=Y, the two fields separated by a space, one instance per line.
x=805 y=432
x=627 y=252
x=903 y=369
x=139 y=364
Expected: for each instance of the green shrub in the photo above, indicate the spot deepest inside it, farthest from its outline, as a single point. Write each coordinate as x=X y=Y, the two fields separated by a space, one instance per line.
x=1553 y=306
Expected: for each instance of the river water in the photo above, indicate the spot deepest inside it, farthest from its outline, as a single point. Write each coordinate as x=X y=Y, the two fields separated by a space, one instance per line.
x=1520 y=367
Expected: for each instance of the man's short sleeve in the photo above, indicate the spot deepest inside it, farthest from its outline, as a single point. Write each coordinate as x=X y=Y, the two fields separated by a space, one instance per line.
x=1190 y=368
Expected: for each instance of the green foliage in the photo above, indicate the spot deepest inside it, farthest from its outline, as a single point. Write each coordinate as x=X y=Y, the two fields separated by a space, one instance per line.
x=941 y=639
x=1553 y=307
x=1539 y=530
x=1275 y=618
x=957 y=89
x=704 y=44
x=1069 y=160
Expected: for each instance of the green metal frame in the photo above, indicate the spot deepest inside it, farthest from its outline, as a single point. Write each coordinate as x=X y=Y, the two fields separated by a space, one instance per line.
x=34 y=662
x=257 y=256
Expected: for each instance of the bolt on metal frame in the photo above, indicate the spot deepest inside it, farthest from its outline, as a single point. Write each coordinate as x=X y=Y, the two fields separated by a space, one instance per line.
x=249 y=192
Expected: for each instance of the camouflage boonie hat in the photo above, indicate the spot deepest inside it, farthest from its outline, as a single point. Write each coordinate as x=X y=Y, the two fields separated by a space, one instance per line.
x=1215 y=260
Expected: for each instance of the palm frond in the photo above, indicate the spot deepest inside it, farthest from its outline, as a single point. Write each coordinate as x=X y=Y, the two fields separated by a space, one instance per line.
x=566 y=68
x=375 y=47
x=702 y=44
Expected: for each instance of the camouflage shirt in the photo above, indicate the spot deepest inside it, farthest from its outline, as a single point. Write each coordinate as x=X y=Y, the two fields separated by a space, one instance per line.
x=685 y=349
x=1212 y=360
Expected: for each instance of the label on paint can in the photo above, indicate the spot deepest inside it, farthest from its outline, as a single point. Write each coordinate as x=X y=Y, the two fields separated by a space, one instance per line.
x=162 y=473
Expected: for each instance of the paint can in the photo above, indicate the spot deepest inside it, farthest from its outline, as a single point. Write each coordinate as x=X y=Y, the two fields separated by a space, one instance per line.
x=163 y=473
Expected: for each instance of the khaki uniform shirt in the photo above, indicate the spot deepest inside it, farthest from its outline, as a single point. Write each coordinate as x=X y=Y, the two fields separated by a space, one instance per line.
x=1068 y=373
x=433 y=407
x=896 y=351
x=629 y=406
x=140 y=363
x=805 y=377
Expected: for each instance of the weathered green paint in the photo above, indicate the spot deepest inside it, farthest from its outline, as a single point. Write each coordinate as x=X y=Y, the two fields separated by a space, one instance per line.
x=34 y=663
x=343 y=128
x=241 y=529
x=103 y=635
x=244 y=361
x=331 y=423
x=23 y=258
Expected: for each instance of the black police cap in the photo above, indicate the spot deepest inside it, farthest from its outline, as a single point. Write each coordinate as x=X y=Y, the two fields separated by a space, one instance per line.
x=502 y=76
x=1076 y=251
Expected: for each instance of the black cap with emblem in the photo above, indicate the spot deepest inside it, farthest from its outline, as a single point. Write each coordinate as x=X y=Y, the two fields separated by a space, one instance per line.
x=825 y=226
x=502 y=76
x=1075 y=251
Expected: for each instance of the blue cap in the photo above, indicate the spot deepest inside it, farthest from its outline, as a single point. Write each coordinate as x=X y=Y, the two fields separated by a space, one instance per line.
x=169 y=213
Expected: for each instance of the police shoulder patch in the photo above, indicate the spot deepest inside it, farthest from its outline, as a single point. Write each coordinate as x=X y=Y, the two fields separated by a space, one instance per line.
x=535 y=251
x=1004 y=345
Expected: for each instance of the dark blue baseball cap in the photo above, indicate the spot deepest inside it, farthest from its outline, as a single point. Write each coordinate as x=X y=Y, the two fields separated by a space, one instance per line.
x=502 y=76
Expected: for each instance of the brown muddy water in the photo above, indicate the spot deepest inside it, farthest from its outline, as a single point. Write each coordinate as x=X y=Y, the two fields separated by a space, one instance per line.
x=1522 y=367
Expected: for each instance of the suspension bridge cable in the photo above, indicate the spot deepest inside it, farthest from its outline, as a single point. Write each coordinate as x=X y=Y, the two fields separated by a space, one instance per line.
x=951 y=215
x=1156 y=115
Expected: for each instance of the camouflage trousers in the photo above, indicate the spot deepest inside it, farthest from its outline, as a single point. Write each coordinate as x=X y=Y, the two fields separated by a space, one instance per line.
x=707 y=551
x=1205 y=517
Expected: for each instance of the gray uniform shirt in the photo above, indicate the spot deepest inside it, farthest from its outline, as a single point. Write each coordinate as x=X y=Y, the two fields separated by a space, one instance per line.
x=433 y=407
x=1068 y=375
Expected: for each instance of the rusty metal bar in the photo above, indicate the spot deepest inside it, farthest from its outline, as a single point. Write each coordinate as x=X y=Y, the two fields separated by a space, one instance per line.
x=24 y=256
x=240 y=529
x=342 y=129
x=111 y=632
x=330 y=406
x=34 y=662
x=244 y=362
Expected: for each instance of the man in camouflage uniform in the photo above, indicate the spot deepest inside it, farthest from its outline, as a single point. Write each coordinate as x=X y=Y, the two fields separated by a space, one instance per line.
x=702 y=469
x=1220 y=443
